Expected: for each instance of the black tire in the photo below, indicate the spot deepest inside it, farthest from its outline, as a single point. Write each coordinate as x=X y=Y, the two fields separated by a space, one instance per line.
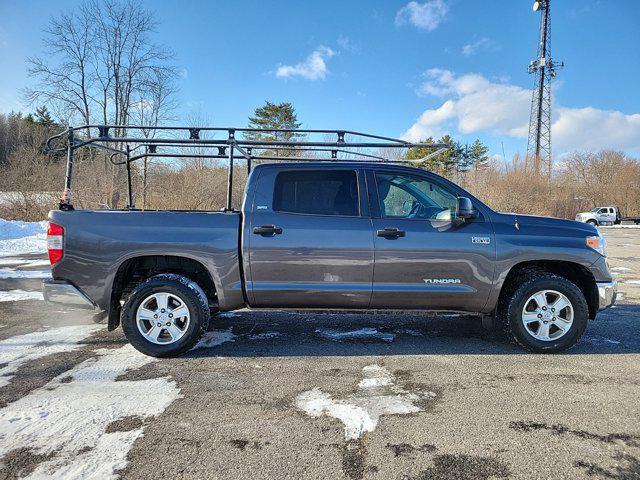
x=194 y=299
x=510 y=312
x=592 y=222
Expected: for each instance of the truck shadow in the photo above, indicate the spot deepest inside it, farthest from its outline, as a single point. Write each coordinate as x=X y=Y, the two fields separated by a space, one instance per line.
x=272 y=333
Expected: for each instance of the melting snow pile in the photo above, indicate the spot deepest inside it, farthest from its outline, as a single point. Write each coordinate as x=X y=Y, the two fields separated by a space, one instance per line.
x=17 y=237
x=17 y=350
x=69 y=416
x=377 y=395
x=361 y=334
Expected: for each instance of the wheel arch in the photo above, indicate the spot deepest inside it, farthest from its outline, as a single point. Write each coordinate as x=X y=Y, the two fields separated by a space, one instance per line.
x=135 y=270
x=572 y=271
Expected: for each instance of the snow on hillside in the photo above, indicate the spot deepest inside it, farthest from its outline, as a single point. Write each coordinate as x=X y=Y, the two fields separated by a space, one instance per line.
x=17 y=237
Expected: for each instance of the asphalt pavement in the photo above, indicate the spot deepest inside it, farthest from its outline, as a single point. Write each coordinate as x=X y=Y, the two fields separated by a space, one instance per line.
x=275 y=395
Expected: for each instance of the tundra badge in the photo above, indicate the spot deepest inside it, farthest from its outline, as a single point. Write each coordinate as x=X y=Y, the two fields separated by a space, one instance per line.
x=485 y=240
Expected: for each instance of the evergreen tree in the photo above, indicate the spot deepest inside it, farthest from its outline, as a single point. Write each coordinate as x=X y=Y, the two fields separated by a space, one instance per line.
x=457 y=158
x=275 y=116
x=43 y=117
x=478 y=154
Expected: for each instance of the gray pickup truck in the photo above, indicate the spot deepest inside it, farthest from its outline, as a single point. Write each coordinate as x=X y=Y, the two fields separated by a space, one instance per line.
x=346 y=235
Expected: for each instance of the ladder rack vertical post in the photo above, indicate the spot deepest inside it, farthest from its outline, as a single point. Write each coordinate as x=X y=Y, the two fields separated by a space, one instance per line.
x=230 y=172
x=65 y=201
x=130 y=204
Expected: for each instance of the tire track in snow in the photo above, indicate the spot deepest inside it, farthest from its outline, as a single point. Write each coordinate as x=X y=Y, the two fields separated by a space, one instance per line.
x=67 y=420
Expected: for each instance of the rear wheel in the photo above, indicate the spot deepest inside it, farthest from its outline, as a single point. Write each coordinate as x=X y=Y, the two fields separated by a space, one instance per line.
x=547 y=313
x=165 y=315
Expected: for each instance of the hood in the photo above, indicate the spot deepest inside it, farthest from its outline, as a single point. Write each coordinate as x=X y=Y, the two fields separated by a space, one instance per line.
x=553 y=223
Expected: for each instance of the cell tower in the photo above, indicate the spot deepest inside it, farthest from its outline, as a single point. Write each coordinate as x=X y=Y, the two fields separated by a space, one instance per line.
x=539 y=143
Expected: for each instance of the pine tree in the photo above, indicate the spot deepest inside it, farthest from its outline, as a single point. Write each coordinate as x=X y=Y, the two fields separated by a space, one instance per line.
x=478 y=155
x=421 y=152
x=275 y=116
x=456 y=159
x=43 y=117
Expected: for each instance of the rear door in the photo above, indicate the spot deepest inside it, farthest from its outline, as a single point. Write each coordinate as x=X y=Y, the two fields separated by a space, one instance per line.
x=423 y=258
x=310 y=239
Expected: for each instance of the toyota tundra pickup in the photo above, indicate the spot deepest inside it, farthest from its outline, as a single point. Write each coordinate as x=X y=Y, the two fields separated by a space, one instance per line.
x=345 y=235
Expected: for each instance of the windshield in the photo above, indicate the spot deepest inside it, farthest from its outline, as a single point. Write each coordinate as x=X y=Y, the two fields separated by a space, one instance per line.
x=409 y=196
x=595 y=209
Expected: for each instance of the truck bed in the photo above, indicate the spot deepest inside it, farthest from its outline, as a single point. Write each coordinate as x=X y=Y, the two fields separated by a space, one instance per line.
x=97 y=243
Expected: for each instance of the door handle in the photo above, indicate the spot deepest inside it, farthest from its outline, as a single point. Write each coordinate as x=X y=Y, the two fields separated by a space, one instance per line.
x=390 y=233
x=267 y=230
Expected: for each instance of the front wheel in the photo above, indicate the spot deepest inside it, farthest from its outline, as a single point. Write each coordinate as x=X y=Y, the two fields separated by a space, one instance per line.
x=547 y=313
x=592 y=222
x=165 y=315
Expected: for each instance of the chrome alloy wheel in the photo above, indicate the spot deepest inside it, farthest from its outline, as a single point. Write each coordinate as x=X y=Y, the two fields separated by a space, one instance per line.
x=163 y=318
x=547 y=315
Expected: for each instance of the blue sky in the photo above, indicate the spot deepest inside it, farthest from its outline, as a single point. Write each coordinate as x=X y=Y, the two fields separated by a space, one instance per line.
x=388 y=67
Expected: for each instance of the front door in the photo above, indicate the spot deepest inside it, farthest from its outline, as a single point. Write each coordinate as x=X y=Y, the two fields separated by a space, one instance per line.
x=311 y=244
x=423 y=258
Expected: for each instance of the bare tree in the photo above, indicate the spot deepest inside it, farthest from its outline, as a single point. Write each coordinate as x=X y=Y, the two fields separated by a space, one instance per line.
x=102 y=66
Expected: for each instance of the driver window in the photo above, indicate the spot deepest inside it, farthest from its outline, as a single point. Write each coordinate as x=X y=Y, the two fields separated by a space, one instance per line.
x=407 y=196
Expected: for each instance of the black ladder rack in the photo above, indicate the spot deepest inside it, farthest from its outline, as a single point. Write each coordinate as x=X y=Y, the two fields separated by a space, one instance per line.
x=118 y=140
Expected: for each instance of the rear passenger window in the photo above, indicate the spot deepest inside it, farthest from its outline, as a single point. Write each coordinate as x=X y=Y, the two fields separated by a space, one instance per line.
x=329 y=192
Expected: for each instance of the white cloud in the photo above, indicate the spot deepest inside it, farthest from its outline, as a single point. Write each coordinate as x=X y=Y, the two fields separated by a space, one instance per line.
x=347 y=45
x=314 y=67
x=593 y=129
x=474 y=47
x=473 y=104
x=427 y=15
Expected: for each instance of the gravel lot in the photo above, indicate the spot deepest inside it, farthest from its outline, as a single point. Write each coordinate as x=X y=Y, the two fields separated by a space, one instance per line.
x=283 y=395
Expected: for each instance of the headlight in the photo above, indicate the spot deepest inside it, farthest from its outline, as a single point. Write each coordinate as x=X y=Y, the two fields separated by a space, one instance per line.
x=597 y=243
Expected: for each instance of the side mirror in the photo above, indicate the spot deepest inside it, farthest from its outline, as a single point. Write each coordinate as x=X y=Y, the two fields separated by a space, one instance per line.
x=465 y=210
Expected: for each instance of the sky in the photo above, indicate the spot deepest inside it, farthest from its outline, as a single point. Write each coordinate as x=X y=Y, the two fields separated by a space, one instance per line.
x=405 y=69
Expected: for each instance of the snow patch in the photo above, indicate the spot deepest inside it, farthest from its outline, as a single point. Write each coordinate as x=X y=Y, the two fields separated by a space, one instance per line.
x=632 y=282
x=18 y=262
x=11 y=273
x=621 y=269
x=15 y=351
x=618 y=226
x=228 y=314
x=10 y=229
x=409 y=331
x=15 y=295
x=377 y=395
x=601 y=340
x=361 y=334
x=70 y=418
x=215 y=338
x=17 y=238
x=264 y=336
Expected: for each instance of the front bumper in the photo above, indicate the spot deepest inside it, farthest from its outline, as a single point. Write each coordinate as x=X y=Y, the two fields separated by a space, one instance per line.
x=607 y=292
x=59 y=292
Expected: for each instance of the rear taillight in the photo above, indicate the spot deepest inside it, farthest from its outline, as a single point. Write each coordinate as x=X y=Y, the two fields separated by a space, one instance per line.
x=55 y=242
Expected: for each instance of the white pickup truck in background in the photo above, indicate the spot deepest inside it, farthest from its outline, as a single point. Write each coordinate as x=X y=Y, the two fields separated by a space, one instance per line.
x=605 y=216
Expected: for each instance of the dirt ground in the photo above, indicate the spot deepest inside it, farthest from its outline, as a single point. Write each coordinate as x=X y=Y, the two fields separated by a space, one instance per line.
x=272 y=395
